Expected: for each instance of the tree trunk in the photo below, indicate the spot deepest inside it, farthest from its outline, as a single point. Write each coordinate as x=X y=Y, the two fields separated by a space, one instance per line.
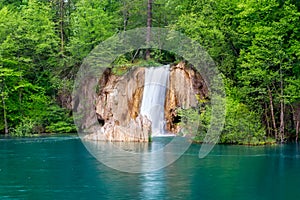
x=297 y=129
x=296 y=117
x=272 y=113
x=149 y=25
x=125 y=16
x=4 y=115
x=62 y=38
x=281 y=128
x=267 y=120
x=21 y=112
x=20 y=93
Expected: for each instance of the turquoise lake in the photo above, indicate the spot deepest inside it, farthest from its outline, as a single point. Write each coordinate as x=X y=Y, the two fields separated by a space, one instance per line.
x=61 y=168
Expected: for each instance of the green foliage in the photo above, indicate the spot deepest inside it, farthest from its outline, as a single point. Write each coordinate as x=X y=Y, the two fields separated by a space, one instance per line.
x=28 y=53
x=147 y=63
x=241 y=125
x=24 y=128
x=207 y=22
x=58 y=120
x=90 y=24
x=195 y=122
x=52 y=120
x=122 y=65
x=60 y=127
x=254 y=44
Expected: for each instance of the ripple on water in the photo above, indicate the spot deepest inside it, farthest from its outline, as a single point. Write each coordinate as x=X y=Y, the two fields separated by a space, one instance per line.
x=39 y=139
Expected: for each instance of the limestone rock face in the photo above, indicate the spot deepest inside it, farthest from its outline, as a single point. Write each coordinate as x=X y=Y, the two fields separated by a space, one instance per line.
x=119 y=101
x=120 y=96
x=186 y=87
x=118 y=106
x=137 y=130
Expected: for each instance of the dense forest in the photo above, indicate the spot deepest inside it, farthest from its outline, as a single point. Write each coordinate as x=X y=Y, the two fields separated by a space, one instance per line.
x=255 y=45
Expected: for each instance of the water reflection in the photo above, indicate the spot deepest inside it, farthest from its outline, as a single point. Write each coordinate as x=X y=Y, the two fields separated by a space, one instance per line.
x=138 y=157
x=63 y=169
x=153 y=185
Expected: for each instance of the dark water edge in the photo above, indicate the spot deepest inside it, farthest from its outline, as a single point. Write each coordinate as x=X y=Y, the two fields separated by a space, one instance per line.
x=61 y=168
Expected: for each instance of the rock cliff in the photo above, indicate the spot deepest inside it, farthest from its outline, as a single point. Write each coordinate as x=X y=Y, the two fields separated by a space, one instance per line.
x=186 y=88
x=117 y=108
x=119 y=101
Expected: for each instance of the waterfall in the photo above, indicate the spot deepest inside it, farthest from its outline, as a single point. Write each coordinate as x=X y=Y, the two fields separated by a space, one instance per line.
x=153 y=102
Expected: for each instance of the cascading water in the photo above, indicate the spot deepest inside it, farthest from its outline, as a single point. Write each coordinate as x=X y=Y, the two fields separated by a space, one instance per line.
x=153 y=102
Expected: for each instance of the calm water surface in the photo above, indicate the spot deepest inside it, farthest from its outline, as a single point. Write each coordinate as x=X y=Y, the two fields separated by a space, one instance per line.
x=61 y=168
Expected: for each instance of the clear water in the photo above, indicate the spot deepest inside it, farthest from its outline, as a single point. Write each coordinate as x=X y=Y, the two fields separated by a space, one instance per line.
x=154 y=96
x=61 y=168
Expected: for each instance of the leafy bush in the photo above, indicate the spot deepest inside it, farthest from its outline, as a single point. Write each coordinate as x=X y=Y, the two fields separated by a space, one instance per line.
x=190 y=121
x=24 y=128
x=58 y=120
x=60 y=127
x=52 y=120
x=242 y=126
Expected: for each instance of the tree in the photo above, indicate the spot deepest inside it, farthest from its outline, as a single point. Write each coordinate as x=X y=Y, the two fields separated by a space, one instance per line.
x=90 y=24
x=208 y=23
x=29 y=46
x=5 y=75
x=149 y=25
x=265 y=64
